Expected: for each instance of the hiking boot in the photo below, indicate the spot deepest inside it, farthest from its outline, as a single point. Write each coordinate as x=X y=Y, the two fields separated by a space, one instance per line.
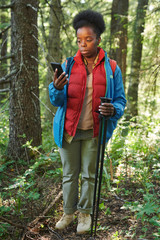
x=84 y=223
x=65 y=220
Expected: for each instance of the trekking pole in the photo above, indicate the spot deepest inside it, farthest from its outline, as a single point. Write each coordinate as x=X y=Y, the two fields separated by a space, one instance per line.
x=99 y=166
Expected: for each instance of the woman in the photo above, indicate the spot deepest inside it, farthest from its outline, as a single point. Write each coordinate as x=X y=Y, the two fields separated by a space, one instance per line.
x=76 y=124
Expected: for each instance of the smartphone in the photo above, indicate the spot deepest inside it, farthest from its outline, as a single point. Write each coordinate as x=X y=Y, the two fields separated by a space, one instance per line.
x=58 y=66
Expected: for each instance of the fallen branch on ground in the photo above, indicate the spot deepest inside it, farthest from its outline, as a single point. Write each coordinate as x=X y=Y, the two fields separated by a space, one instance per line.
x=11 y=223
x=57 y=198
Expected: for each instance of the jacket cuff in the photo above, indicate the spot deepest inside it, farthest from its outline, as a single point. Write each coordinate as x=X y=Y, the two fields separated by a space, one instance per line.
x=114 y=113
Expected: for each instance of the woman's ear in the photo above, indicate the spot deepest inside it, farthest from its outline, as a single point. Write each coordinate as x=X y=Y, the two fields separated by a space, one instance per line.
x=98 y=40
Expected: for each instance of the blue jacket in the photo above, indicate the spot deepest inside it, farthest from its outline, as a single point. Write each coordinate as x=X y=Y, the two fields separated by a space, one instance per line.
x=115 y=90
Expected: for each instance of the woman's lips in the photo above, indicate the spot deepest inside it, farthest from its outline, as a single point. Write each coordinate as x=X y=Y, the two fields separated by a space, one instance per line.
x=84 y=51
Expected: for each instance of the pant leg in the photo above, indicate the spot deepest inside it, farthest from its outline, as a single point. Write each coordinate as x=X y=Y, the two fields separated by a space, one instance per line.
x=88 y=168
x=70 y=157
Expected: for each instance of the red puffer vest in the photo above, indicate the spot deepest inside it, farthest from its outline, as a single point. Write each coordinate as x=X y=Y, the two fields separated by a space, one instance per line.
x=76 y=92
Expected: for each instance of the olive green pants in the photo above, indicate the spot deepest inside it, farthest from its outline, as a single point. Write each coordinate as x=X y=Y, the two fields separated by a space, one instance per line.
x=79 y=164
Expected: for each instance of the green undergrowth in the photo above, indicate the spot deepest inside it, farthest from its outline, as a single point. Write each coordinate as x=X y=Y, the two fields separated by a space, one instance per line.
x=136 y=166
x=28 y=187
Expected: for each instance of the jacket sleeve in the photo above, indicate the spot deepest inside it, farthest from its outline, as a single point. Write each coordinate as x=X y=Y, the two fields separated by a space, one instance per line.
x=56 y=96
x=119 y=100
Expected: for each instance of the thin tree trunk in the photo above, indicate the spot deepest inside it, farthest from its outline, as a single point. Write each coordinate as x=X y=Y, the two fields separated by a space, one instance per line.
x=54 y=51
x=4 y=40
x=25 y=124
x=114 y=29
x=119 y=22
x=136 y=58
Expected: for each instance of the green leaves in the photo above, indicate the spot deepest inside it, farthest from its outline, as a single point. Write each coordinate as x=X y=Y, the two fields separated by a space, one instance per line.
x=148 y=209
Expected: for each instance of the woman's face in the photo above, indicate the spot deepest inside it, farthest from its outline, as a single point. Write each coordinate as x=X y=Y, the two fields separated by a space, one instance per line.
x=87 y=42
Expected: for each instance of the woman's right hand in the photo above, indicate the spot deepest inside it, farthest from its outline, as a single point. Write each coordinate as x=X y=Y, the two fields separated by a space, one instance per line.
x=60 y=81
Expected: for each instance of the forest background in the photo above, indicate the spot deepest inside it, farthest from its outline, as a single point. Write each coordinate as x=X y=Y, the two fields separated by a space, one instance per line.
x=34 y=33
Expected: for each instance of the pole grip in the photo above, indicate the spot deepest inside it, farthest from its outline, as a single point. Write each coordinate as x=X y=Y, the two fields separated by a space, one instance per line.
x=105 y=100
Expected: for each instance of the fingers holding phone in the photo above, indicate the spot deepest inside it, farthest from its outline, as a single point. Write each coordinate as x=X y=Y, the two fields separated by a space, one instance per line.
x=61 y=81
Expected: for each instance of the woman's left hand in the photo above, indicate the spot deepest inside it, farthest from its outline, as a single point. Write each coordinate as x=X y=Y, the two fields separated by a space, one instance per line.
x=107 y=109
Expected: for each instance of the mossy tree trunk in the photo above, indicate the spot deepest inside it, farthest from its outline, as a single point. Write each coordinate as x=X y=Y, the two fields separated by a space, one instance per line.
x=25 y=123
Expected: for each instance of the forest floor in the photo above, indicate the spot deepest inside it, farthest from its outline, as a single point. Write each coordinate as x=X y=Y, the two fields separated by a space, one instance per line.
x=33 y=204
x=114 y=222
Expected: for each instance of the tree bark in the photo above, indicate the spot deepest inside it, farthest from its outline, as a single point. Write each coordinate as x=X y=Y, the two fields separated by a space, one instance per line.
x=118 y=44
x=54 y=51
x=113 y=43
x=25 y=123
x=136 y=58
x=3 y=59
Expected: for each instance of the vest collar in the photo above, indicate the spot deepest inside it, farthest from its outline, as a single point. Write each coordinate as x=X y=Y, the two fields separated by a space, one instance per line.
x=79 y=59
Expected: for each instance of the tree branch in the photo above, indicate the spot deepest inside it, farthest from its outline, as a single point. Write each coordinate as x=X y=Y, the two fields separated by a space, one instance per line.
x=57 y=198
x=43 y=104
x=4 y=90
x=11 y=223
x=7 y=6
x=7 y=57
x=3 y=79
x=1 y=33
x=33 y=8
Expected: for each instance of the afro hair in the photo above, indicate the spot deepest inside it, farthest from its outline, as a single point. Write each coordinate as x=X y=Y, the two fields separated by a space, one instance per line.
x=89 y=18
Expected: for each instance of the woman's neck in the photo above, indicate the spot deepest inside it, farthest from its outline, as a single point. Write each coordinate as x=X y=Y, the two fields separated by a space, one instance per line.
x=90 y=63
x=91 y=60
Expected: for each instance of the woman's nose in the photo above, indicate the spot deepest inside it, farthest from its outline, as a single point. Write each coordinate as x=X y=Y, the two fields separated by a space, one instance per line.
x=83 y=43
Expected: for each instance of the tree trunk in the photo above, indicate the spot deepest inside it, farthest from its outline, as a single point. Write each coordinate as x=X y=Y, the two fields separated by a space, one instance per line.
x=25 y=124
x=54 y=51
x=114 y=29
x=118 y=45
x=136 y=58
x=4 y=40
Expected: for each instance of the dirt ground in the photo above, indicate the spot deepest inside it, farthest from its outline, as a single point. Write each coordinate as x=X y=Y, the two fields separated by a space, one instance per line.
x=117 y=224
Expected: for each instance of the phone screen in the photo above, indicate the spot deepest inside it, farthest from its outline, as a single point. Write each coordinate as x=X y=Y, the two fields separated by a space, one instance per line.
x=58 y=66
